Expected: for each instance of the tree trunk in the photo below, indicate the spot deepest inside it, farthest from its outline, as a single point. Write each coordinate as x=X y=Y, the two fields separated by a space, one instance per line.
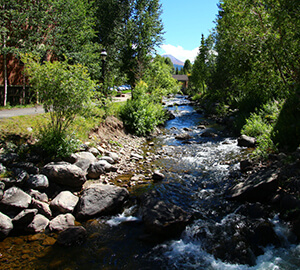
x=5 y=79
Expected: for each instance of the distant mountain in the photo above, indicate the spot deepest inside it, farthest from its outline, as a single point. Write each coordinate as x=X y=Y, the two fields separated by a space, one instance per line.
x=175 y=61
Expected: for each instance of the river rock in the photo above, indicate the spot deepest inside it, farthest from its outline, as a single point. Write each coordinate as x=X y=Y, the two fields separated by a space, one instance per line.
x=8 y=158
x=43 y=197
x=257 y=188
x=2 y=187
x=84 y=160
x=76 y=235
x=24 y=218
x=16 y=198
x=18 y=178
x=99 y=199
x=94 y=151
x=136 y=156
x=100 y=167
x=2 y=168
x=38 y=181
x=6 y=225
x=66 y=174
x=62 y=222
x=158 y=176
x=183 y=136
x=246 y=165
x=38 y=224
x=163 y=219
x=64 y=202
x=29 y=167
x=246 y=141
x=209 y=134
x=42 y=207
x=108 y=159
x=113 y=155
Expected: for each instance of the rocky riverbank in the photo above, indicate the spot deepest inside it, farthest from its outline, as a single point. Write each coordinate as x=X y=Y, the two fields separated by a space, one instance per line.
x=53 y=196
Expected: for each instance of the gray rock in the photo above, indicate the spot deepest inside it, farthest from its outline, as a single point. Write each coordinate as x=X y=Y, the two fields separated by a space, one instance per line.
x=6 y=225
x=94 y=151
x=84 y=159
x=8 y=158
x=101 y=199
x=43 y=197
x=38 y=181
x=161 y=218
x=2 y=168
x=16 y=198
x=38 y=224
x=62 y=222
x=246 y=141
x=108 y=159
x=136 y=156
x=76 y=235
x=113 y=155
x=28 y=167
x=183 y=136
x=42 y=207
x=157 y=175
x=18 y=178
x=100 y=167
x=64 y=202
x=2 y=187
x=24 y=218
x=65 y=174
x=257 y=188
x=246 y=165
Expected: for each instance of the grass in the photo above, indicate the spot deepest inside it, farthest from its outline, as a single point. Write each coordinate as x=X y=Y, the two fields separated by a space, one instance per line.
x=27 y=126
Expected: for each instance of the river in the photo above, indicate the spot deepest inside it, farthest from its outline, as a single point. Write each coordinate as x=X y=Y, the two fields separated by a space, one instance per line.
x=197 y=173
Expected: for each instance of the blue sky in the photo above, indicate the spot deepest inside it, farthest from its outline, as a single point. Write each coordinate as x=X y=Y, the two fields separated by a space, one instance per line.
x=184 y=22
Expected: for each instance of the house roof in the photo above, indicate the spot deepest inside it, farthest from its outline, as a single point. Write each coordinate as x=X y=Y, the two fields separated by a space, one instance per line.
x=181 y=77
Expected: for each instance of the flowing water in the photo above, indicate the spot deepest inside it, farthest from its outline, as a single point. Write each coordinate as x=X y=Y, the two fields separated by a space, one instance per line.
x=197 y=174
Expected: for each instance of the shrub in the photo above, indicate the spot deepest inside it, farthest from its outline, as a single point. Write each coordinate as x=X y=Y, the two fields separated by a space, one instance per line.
x=65 y=92
x=142 y=114
x=260 y=125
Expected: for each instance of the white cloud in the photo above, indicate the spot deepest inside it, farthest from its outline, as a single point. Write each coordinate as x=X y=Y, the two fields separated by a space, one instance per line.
x=179 y=52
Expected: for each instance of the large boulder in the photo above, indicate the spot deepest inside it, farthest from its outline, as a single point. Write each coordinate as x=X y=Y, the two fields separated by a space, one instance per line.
x=64 y=202
x=65 y=174
x=163 y=219
x=38 y=224
x=84 y=159
x=99 y=199
x=259 y=187
x=98 y=168
x=24 y=218
x=16 y=198
x=246 y=141
x=42 y=207
x=62 y=222
x=38 y=181
x=6 y=225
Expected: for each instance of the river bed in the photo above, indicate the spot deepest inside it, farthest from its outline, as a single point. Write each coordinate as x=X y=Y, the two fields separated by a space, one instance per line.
x=196 y=175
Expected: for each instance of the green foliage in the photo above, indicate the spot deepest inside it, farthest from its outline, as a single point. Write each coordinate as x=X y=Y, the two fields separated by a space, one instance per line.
x=261 y=125
x=55 y=143
x=142 y=114
x=65 y=91
x=159 y=79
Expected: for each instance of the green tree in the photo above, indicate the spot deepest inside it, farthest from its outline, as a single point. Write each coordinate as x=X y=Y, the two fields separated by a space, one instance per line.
x=24 y=26
x=203 y=65
x=143 y=34
x=168 y=61
x=187 y=67
x=65 y=91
